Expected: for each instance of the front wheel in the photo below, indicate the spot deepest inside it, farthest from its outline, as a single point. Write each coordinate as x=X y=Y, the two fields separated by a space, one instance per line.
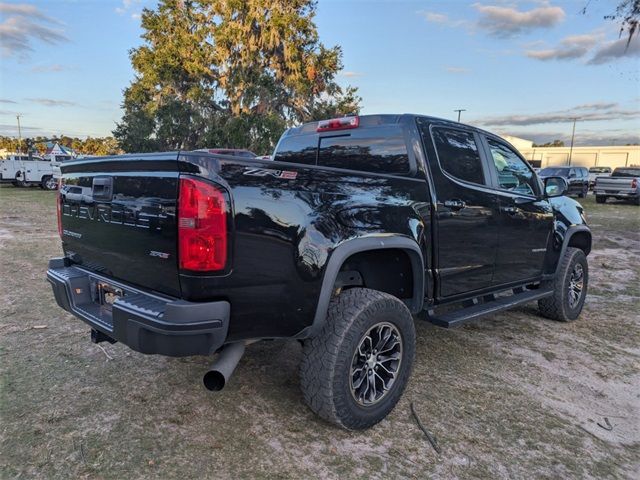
x=355 y=370
x=569 y=287
x=601 y=199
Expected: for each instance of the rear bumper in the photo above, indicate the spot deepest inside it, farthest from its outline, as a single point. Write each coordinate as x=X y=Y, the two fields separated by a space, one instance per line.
x=617 y=193
x=145 y=322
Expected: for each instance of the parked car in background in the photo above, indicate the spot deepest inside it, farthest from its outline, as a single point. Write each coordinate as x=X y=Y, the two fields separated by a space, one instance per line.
x=26 y=170
x=576 y=177
x=623 y=184
x=597 y=172
x=233 y=152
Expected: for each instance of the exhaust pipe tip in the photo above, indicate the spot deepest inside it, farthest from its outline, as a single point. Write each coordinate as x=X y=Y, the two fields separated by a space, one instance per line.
x=222 y=368
x=214 y=381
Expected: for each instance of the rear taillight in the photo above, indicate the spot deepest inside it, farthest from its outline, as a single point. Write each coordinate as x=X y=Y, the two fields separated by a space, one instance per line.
x=634 y=183
x=342 y=123
x=59 y=207
x=202 y=226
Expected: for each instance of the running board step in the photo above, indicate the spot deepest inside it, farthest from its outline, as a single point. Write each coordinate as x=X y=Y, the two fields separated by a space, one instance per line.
x=463 y=315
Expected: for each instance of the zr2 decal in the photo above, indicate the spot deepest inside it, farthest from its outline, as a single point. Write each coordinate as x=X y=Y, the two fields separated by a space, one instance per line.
x=265 y=172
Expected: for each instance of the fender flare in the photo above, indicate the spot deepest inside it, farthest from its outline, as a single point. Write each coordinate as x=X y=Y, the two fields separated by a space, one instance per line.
x=571 y=231
x=358 y=245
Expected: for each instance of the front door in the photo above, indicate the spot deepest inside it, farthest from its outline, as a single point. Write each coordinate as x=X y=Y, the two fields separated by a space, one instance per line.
x=466 y=226
x=526 y=220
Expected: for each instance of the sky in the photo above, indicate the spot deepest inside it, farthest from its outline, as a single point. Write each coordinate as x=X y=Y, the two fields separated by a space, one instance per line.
x=523 y=68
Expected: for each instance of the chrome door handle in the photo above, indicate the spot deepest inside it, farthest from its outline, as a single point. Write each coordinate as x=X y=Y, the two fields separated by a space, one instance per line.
x=455 y=204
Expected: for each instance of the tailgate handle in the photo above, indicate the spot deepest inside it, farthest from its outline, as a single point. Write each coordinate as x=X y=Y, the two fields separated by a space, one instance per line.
x=102 y=188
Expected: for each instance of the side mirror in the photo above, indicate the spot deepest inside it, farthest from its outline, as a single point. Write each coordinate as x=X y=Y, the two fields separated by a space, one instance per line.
x=555 y=187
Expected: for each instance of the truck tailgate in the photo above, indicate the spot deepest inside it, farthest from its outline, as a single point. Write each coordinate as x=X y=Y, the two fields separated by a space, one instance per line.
x=121 y=221
x=615 y=184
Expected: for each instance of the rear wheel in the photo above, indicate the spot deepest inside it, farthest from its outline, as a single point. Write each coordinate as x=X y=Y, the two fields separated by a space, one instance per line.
x=49 y=183
x=601 y=199
x=355 y=370
x=569 y=287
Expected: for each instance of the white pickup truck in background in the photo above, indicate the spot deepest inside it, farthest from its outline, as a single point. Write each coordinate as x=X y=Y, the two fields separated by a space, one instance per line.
x=623 y=184
x=26 y=170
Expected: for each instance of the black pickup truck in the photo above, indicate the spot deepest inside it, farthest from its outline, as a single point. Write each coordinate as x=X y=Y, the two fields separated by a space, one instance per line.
x=357 y=226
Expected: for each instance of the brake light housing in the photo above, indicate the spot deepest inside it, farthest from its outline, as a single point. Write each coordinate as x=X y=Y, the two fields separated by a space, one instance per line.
x=342 y=123
x=203 y=208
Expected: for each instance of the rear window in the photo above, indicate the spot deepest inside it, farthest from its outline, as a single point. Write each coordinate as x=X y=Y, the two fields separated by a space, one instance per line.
x=458 y=154
x=297 y=149
x=599 y=170
x=378 y=150
x=626 y=172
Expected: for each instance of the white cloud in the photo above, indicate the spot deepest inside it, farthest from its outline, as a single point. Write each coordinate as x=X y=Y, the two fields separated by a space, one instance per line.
x=128 y=5
x=23 y=24
x=434 y=17
x=48 y=102
x=440 y=19
x=570 y=48
x=505 y=22
x=56 y=67
x=594 y=112
x=458 y=70
x=612 y=51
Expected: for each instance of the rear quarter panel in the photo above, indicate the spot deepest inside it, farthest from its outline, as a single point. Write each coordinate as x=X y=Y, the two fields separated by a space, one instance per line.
x=287 y=220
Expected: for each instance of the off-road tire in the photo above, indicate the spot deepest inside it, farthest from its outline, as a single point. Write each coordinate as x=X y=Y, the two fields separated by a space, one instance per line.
x=557 y=306
x=327 y=358
x=601 y=199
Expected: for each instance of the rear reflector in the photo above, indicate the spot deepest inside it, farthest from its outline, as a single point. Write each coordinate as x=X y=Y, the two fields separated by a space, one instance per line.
x=202 y=226
x=342 y=123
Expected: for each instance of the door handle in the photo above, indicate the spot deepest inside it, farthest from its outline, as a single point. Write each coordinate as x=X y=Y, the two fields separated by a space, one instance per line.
x=510 y=210
x=455 y=204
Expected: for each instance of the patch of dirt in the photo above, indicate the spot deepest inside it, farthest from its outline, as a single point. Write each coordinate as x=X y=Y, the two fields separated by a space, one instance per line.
x=511 y=396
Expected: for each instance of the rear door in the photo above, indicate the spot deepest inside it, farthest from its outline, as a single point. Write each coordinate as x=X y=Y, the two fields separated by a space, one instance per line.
x=526 y=220
x=467 y=212
x=120 y=219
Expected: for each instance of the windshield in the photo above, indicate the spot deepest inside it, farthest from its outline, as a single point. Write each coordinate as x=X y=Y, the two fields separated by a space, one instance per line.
x=626 y=172
x=553 y=172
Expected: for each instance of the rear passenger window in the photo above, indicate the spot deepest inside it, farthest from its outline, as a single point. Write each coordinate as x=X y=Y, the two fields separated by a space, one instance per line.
x=458 y=154
x=297 y=149
x=377 y=150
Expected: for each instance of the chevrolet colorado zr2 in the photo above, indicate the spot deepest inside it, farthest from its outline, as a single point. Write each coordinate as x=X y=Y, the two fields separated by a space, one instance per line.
x=356 y=227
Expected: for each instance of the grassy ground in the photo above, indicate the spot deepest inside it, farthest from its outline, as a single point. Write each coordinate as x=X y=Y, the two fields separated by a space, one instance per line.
x=512 y=396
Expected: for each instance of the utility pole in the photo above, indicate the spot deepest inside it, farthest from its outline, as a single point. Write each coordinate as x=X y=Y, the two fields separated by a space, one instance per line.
x=460 y=110
x=573 y=134
x=19 y=134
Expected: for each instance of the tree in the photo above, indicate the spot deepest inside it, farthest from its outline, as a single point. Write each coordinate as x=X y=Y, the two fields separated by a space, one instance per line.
x=555 y=143
x=628 y=14
x=229 y=73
